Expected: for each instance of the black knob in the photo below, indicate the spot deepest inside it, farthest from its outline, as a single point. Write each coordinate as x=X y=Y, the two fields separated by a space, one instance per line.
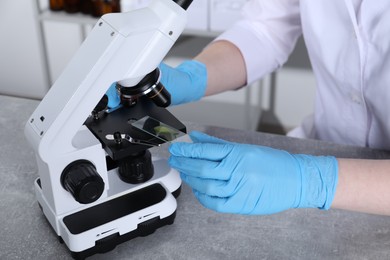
x=81 y=179
x=137 y=168
x=102 y=105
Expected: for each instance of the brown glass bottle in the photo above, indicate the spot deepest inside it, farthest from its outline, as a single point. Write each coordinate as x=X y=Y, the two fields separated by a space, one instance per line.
x=86 y=6
x=115 y=6
x=101 y=7
x=72 y=6
x=56 y=5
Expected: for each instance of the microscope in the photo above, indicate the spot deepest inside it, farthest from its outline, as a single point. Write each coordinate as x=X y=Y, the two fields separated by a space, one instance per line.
x=98 y=184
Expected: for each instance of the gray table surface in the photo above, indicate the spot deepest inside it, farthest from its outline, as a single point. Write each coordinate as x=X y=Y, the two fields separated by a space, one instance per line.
x=197 y=233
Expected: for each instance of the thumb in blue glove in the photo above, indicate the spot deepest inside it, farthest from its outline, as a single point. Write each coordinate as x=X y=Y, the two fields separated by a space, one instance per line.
x=185 y=83
x=113 y=96
x=249 y=179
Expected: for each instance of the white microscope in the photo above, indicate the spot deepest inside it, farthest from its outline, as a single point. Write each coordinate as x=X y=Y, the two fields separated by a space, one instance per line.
x=98 y=185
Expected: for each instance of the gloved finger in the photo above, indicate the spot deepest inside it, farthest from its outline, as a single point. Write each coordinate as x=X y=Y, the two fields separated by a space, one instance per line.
x=207 y=151
x=113 y=96
x=199 y=137
x=164 y=68
x=168 y=77
x=199 y=168
x=186 y=83
x=227 y=204
x=209 y=187
x=211 y=202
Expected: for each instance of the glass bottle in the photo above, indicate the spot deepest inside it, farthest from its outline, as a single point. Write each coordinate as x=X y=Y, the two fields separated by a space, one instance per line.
x=101 y=7
x=72 y=6
x=86 y=6
x=56 y=5
x=96 y=7
x=115 y=6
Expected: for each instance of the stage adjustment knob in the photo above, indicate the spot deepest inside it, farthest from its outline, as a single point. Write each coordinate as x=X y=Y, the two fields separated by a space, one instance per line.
x=81 y=179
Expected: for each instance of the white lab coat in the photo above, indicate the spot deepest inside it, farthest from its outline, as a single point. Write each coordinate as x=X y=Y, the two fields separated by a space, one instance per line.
x=348 y=42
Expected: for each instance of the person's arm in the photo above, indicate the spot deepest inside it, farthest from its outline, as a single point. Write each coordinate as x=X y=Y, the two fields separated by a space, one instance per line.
x=218 y=68
x=363 y=186
x=225 y=66
x=252 y=48
x=253 y=179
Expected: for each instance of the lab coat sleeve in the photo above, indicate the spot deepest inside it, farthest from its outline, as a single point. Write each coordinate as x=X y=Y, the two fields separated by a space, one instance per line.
x=266 y=35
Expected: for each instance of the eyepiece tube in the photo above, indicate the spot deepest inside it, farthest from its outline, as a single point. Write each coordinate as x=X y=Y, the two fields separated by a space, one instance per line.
x=183 y=3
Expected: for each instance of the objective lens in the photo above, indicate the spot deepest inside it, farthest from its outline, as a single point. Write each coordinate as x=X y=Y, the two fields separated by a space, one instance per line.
x=160 y=95
x=151 y=87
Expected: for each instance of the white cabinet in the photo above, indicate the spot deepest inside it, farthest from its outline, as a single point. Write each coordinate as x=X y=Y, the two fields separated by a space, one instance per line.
x=205 y=15
x=198 y=12
x=22 y=69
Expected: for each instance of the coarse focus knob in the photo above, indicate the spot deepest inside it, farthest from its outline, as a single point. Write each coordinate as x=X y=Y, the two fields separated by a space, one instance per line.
x=81 y=179
x=136 y=169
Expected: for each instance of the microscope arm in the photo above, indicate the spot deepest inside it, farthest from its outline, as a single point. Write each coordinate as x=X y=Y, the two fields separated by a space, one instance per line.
x=80 y=188
x=122 y=47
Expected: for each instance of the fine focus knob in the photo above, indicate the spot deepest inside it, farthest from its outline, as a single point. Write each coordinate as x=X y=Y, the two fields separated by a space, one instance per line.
x=81 y=179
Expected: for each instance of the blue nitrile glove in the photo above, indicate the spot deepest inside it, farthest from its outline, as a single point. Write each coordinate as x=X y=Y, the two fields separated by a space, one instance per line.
x=113 y=96
x=186 y=83
x=249 y=179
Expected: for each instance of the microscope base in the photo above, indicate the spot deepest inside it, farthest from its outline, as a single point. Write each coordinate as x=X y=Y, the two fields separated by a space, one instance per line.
x=109 y=243
x=100 y=228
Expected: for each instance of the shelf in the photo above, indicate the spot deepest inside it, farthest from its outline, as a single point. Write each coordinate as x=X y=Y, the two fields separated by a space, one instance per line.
x=85 y=19
x=62 y=16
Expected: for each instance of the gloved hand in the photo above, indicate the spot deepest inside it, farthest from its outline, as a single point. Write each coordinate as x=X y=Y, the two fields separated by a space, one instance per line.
x=249 y=179
x=113 y=96
x=185 y=83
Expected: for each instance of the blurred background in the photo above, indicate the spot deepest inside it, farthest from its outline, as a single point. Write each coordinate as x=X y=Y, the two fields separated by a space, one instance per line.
x=38 y=41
